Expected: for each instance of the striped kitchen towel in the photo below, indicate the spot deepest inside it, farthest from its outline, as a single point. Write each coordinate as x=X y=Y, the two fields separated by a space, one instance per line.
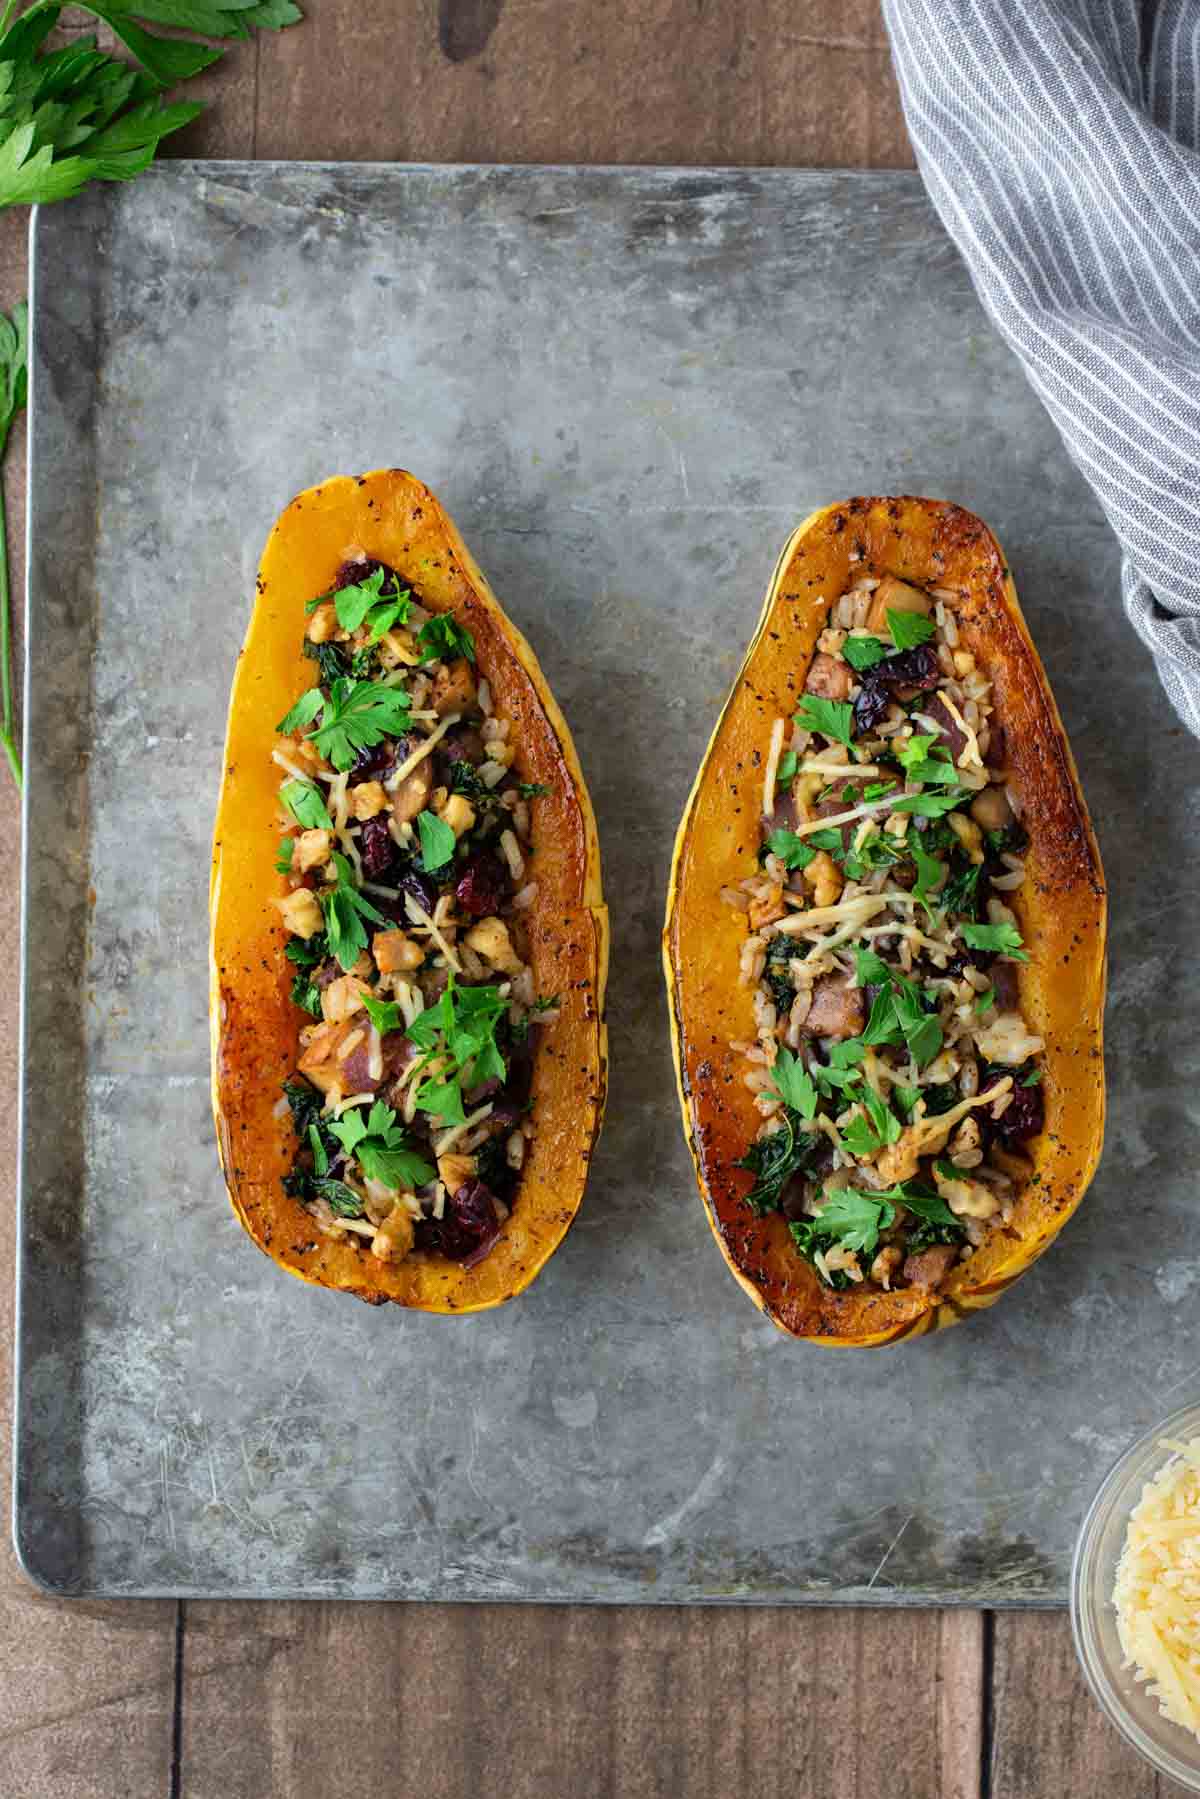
x=1060 y=142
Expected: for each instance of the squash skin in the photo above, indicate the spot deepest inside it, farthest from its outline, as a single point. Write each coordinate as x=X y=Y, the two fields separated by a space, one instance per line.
x=1062 y=913
x=393 y=517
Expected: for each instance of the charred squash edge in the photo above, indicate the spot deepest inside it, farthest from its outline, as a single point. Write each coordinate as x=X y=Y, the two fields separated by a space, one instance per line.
x=395 y=518
x=1062 y=911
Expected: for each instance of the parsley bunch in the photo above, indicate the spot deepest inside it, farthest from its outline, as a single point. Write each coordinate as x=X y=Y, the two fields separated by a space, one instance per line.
x=856 y=1220
x=76 y=115
x=381 y=1147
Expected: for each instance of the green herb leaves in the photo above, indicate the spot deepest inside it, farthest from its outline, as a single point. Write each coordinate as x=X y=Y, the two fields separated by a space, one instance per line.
x=794 y=1085
x=75 y=115
x=458 y=1036
x=792 y=851
x=908 y=629
x=774 y=1159
x=437 y=842
x=442 y=639
x=832 y=718
x=863 y=652
x=356 y=716
x=1003 y=938
x=381 y=1148
x=345 y=910
x=365 y=602
x=306 y=805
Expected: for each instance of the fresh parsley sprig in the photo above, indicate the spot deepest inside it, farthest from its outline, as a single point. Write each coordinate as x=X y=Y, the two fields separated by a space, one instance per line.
x=76 y=115
x=345 y=909
x=382 y=1147
x=459 y=1035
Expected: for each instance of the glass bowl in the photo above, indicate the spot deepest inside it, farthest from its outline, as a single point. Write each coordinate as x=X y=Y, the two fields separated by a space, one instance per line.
x=1124 y=1700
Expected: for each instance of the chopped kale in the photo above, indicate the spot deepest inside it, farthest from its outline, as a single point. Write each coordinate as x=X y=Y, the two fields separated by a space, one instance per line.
x=774 y=1159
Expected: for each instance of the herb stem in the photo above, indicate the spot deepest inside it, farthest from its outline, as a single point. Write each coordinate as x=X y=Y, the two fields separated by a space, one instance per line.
x=6 y=699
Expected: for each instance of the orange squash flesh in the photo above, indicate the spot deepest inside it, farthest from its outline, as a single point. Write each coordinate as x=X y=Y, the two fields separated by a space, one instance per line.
x=394 y=518
x=1061 y=911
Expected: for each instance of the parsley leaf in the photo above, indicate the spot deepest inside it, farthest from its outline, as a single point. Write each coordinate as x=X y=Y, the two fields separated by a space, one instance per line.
x=923 y=1204
x=985 y=1001
x=908 y=629
x=855 y=1219
x=1005 y=938
x=302 y=713
x=863 y=652
x=792 y=851
x=437 y=842
x=931 y=805
x=832 y=718
x=365 y=600
x=1032 y=1078
x=921 y=763
x=789 y=762
x=358 y=715
x=306 y=805
x=441 y=639
x=929 y=872
x=870 y=970
x=875 y=790
x=306 y=994
x=345 y=908
x=382 y=1147
x=532 y=790
x=283 y=857
x=384 y=1014
x=830 y=840
x=906 y=1098
x=794 y=1085
x=461 y=1030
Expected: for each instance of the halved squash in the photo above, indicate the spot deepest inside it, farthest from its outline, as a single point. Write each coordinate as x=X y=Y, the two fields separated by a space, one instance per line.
x=393 y=518
x=1061 y=912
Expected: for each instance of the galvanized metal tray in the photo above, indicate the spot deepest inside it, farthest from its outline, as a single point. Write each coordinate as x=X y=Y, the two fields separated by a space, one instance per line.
x=628 y=385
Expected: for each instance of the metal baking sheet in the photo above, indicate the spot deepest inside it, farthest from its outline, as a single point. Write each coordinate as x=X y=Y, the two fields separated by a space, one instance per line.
x=628 y=386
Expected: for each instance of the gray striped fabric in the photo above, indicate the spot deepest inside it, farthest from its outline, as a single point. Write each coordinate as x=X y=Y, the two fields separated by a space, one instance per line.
x=1059 y=141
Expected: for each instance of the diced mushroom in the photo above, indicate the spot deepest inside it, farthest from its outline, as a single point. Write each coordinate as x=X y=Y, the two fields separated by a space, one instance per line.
x=323 y=623
x=489 y=939
x=457 y=812
x=368 y=799
x=930 y=1267
x=453 y=687
x=412 y=794
x=311 y=851
x=394 y=1238
x=302 y=913
x=341 y=997
x=837 y=1010
x=991 y=810
x=395 y=953
x=830 y=677
x=894 y=595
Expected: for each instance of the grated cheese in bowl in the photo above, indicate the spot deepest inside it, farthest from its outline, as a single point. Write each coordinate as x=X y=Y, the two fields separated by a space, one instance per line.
x=1157 y=1588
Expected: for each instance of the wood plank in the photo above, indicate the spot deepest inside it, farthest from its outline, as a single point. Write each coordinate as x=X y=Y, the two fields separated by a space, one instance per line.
x=1048 y=1736
x=644 y=1703
x=671 y=81
x=86 y=1691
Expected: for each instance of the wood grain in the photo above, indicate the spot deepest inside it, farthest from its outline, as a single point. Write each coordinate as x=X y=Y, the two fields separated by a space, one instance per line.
x=1048 y=1736
x=300 y=1702
x=549 y=1700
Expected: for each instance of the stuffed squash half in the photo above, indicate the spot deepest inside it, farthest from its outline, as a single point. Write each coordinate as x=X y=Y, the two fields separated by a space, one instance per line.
x=885 y=938
x=409 y=945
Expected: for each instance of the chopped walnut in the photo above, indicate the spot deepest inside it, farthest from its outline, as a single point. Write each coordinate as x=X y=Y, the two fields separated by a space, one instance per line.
x=302 y=913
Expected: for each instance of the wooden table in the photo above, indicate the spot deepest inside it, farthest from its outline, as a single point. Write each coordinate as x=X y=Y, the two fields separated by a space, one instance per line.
x=244 y=1701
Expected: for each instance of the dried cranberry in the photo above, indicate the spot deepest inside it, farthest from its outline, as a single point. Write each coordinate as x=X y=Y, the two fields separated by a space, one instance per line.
x=376 y=763
x=916 y=669
x=422 y=887
x=468 y=1227
x=483 y=885
x=360 y=568
x=1023 y=1117
x=376 y=847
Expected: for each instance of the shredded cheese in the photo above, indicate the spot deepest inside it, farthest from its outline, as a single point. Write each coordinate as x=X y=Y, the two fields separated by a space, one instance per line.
x=420 y=916
x=423 y=749
x=854 y=912
x=457 y=1132
x=297 y=774
x=771 y=771
x=1157 y=1589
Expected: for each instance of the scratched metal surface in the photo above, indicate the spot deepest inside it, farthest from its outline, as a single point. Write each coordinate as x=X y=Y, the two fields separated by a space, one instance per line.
x=628 y=386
